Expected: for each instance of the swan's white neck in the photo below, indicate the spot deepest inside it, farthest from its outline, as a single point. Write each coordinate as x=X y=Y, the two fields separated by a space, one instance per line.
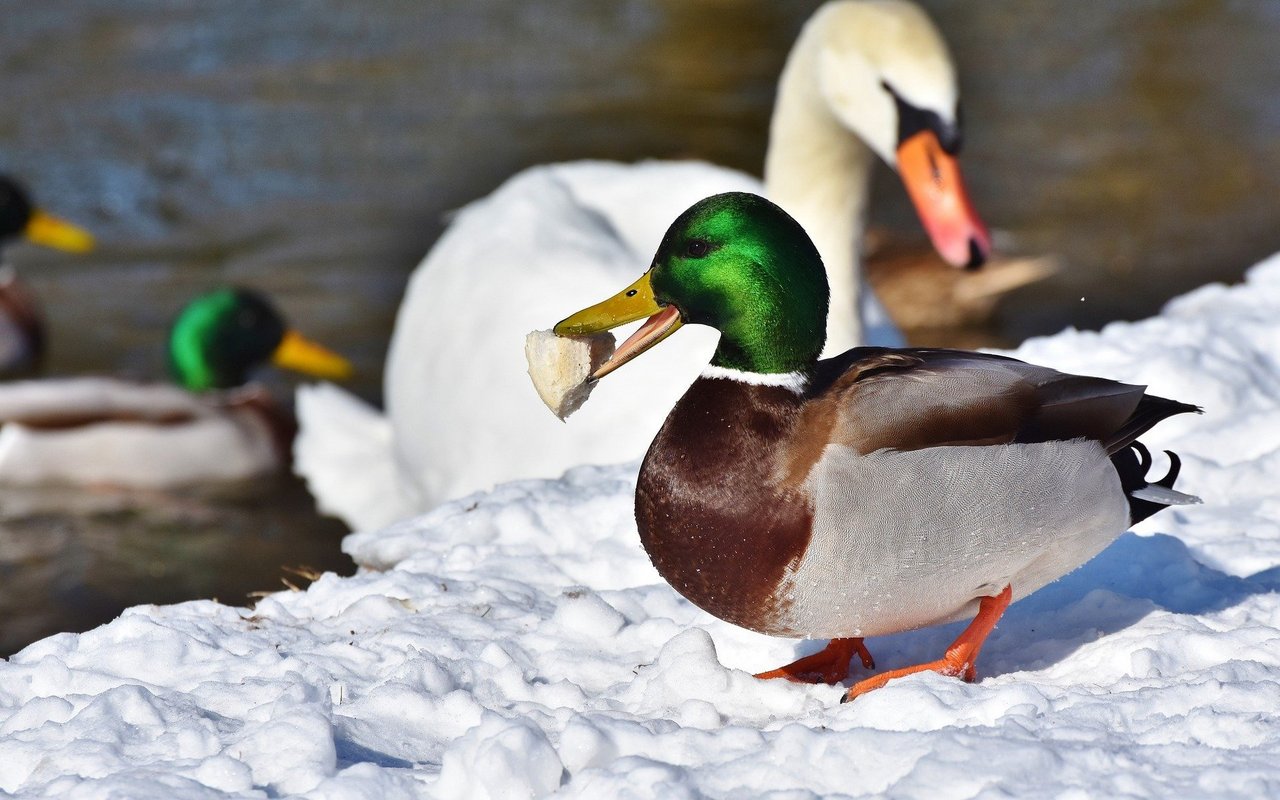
x=819 y=172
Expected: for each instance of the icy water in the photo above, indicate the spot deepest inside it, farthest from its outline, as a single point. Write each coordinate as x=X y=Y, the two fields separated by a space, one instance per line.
x=70 y=560
x=314 y=150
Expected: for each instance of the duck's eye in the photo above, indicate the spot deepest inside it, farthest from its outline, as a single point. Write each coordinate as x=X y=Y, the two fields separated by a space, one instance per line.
x=697 y=248
x=247 y=319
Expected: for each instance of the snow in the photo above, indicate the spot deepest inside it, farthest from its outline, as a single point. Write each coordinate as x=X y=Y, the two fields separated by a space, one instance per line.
x=519 y=644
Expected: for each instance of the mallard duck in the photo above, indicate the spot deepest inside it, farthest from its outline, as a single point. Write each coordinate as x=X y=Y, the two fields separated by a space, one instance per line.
x=877 y=491
x=21 y=322
x=209 y=427
x=864 y=80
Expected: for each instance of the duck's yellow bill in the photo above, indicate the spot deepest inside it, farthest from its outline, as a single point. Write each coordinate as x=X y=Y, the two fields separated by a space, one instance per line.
x=632 y=303
x=49 y=231
x=300 y=354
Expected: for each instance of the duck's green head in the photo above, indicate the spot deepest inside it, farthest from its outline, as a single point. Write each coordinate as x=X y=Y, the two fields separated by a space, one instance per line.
x=221 y=336
x=20 y=217
x=735 y=262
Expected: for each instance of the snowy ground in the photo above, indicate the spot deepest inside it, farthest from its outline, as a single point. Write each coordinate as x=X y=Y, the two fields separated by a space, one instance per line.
x=518 y=644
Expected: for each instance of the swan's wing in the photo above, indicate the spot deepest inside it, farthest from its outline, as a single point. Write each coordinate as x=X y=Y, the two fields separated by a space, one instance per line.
x=344 y=452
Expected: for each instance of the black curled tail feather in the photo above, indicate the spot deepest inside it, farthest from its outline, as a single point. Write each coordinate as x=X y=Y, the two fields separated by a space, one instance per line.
x=1132 y=464
x=1150 y=411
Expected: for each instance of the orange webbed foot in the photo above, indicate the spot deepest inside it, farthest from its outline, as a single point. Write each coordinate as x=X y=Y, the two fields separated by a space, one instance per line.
x=828 y=665
x=961 y=656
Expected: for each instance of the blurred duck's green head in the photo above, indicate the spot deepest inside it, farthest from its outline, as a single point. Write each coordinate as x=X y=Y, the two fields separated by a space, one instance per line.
x=223 y=335
x=20 y=218
x=735 y=262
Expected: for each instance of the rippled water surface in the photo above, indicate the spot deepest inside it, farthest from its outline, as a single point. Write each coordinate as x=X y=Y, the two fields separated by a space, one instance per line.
x=313 y=149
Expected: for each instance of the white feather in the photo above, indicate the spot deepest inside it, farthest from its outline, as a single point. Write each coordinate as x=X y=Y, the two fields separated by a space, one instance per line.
x=1168 y=497
x=902 y=540
x=344 y=450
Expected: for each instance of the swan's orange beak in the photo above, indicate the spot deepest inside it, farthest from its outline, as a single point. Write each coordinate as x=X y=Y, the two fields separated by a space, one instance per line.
x=933 y=180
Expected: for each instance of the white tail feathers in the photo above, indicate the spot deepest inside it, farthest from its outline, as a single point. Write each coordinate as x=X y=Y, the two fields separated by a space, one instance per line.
x=1166 y=497
x=344 y=451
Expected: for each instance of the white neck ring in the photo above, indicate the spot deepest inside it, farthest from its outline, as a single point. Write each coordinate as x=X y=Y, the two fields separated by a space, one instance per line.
x=795 y=382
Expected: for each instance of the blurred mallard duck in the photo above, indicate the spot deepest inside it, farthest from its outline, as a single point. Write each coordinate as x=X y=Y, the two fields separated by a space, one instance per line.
x=21 y=321
x=209 y=427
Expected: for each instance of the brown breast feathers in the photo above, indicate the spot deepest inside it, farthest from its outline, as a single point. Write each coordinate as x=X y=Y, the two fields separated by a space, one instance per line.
x=713 y=516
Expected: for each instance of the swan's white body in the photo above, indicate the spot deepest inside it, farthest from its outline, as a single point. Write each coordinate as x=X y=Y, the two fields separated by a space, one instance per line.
x=108 y=432
x=461 y=413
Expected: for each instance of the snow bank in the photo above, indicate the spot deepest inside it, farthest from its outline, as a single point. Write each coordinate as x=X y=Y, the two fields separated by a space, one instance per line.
x=518 y=644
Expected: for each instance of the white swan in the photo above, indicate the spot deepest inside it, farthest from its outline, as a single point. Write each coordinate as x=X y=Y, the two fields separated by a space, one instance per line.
x=865 y=78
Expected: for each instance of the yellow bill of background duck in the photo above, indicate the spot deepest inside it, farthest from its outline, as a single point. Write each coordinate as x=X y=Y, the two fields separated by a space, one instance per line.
x=49 y=231
x=300 y=354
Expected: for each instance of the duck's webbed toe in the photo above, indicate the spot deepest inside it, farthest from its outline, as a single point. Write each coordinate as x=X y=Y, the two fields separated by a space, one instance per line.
x=961 y=657
x=828 y=665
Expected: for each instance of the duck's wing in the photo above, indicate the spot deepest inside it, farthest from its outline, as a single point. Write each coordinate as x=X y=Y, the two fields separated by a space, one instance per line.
x=73 y=402
x=872 y=399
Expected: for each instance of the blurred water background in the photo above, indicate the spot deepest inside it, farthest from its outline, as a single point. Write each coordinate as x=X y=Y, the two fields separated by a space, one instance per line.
x=313 y=150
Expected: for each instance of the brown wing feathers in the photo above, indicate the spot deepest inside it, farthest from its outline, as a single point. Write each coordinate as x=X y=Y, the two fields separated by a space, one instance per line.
x=912 y=399
x=1151 y=410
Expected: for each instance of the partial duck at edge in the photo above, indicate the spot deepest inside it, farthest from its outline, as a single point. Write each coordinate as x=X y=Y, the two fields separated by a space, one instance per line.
x=22 y=334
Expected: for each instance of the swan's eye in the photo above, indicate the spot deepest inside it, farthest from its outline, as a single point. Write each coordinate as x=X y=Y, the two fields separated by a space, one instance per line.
x=912 y=120
x=697 y=248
